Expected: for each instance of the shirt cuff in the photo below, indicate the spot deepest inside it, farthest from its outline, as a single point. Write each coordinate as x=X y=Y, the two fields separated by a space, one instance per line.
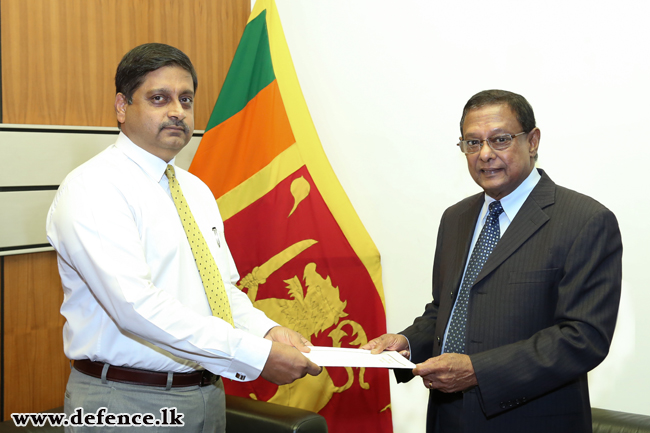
x=409 y=343
x=249 y=358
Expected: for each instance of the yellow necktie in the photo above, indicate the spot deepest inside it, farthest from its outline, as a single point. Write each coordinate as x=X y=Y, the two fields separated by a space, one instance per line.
x=212 y=282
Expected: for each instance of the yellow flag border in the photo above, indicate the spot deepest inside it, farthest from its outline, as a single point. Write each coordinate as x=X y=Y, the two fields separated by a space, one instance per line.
x=307 y=150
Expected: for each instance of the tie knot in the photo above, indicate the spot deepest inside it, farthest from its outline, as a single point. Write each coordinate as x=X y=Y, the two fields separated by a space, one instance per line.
x=495 y=209
x=169 y=172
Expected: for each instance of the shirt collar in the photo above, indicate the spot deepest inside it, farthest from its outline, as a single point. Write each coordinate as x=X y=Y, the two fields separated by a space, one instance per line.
x=153 y=166
x=515 y=200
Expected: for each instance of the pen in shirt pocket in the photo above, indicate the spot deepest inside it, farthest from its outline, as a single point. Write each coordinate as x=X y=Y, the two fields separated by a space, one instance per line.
x=216 y=235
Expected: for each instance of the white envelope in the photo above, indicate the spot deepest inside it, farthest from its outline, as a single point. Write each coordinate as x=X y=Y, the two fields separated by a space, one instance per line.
x=346 y=357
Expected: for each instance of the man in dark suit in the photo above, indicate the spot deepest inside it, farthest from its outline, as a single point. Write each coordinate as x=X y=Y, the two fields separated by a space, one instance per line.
x=526 y=287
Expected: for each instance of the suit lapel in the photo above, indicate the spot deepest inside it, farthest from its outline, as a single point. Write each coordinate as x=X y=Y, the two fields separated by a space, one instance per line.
x=530 y=218
x=466 y=225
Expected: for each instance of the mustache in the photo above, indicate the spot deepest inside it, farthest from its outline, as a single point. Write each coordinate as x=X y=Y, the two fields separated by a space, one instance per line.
x=176 y=123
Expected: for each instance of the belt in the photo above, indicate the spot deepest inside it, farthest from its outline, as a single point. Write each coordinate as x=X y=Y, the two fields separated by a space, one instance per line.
x=135 y=376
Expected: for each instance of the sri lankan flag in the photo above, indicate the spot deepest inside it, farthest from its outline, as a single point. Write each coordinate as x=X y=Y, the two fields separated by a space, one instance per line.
x=304 y=256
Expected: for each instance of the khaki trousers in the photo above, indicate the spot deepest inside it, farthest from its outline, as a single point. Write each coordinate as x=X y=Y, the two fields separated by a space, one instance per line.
x=203 y=409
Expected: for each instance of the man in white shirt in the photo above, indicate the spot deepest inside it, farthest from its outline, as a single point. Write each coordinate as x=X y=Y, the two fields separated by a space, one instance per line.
x=139 y=327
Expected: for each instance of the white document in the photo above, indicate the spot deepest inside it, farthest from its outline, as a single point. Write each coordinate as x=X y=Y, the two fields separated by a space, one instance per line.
x=345 y=357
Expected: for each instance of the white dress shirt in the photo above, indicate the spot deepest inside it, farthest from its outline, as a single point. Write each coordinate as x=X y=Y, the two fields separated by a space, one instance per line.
x=510 y=204
x=132 y=293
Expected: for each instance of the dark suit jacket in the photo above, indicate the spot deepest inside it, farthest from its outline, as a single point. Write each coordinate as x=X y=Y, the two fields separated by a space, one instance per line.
x=541 y=312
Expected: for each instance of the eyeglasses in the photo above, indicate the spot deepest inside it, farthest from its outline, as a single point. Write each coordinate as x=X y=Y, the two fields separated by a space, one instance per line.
x=498 y=142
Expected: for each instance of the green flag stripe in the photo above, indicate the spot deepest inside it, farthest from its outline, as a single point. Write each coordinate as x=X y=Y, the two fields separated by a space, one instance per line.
x=251 y=71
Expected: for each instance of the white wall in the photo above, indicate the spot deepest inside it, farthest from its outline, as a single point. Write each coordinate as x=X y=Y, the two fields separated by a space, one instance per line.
x=386 y=82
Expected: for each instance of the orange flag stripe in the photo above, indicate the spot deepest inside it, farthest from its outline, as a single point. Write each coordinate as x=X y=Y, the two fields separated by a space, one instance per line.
x=249 y=141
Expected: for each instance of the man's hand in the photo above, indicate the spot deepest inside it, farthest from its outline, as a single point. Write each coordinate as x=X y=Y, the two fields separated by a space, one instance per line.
x=286 y=364
x=449 y=372
x=289 y=337
x=395 y=342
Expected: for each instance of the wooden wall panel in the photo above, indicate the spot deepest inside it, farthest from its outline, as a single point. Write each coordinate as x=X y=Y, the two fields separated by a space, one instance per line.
x=58 y=65
x=59 y=56
x=35 y=368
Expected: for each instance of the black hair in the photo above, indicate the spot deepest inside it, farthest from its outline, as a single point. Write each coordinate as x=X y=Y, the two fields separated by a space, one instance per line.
x=517 y=103
x=141 y=60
